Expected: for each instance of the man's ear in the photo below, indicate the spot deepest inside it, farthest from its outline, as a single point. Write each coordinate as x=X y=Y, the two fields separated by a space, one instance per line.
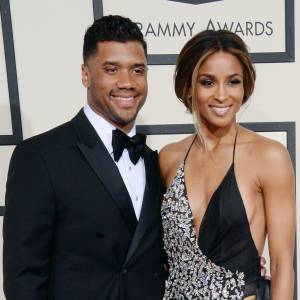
x=85 y=75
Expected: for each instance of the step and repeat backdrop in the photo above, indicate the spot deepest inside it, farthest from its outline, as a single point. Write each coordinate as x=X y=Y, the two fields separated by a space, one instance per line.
x=40 y=58
x=266 y=26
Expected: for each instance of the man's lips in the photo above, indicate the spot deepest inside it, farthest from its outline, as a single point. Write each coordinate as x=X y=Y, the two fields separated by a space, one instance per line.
x=125 y=101
x=122 y=98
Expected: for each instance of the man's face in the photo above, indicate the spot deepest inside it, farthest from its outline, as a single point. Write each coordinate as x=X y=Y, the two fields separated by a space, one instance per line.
x=116 y=81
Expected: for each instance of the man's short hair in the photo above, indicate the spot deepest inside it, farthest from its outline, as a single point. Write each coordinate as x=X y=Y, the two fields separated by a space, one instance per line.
x=111 y=28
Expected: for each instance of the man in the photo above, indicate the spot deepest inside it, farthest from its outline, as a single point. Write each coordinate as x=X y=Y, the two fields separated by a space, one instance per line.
x=82 y=218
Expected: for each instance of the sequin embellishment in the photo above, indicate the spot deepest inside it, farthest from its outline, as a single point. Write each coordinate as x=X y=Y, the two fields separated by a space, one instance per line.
x=192 y=275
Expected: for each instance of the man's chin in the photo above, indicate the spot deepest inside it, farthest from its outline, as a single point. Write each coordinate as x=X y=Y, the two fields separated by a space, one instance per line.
x=123 y=122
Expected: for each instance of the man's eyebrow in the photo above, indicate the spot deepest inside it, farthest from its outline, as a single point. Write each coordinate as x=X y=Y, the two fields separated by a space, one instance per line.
x=140 y=65
x=112 y=63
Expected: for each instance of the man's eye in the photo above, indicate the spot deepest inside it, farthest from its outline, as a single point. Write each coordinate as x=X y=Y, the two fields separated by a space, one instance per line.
x=110 y=70
x=139 y=70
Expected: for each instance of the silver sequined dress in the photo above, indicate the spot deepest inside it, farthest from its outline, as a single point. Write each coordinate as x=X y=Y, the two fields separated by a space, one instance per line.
x=192 y=274
x=223 y=262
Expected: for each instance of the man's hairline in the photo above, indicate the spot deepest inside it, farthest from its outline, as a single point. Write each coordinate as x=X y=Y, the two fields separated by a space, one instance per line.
x=85 y=62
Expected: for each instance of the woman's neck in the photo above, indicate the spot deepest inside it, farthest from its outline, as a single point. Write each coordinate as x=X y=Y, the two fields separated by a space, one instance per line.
x=214 y=136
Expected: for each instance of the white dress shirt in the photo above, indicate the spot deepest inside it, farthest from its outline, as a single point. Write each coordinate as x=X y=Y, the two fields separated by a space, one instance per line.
x=133 y=175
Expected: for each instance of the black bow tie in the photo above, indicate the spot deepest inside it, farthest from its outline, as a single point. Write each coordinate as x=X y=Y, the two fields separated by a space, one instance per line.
x=135 y=145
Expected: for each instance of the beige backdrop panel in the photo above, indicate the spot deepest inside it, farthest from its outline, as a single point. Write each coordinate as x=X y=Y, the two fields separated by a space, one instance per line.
x=158 y=26
x=48 y=43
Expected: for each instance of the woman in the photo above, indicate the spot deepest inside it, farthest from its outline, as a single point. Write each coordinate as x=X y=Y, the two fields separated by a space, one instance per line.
x=227 y=186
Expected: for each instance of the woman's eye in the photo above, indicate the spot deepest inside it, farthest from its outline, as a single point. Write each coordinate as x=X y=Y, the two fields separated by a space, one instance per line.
x=206 y=82
x=235 y=81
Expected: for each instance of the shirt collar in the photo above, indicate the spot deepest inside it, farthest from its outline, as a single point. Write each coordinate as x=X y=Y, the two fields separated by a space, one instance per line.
x=103 y=128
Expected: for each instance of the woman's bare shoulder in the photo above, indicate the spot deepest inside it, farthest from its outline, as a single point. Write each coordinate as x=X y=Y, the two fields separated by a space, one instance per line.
x=176 y=148
x=264 y=150
x=262 y=143
x=171 y=155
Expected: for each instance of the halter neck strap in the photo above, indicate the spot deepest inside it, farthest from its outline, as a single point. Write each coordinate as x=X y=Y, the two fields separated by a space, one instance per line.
x=188 y=151
x=235 y=138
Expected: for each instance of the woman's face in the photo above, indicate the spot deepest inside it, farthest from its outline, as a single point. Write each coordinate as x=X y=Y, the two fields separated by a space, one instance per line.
x=219 y=89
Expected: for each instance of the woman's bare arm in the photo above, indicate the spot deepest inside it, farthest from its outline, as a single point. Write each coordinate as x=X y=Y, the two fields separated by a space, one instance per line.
x=278 y=186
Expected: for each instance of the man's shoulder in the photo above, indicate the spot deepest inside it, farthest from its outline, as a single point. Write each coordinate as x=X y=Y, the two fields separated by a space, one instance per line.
x=54 y=138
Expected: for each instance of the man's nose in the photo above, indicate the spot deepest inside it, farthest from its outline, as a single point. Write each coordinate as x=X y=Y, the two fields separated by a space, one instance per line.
x=125 y=80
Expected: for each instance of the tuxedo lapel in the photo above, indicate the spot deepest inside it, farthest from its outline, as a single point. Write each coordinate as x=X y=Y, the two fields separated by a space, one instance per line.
x=104 y=167
x=150 y=202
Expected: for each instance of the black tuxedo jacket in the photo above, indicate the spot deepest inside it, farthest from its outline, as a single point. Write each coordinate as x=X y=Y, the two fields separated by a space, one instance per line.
x=70 y=230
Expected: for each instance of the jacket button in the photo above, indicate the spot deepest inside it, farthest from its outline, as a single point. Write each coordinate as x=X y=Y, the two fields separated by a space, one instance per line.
x=124 y=271
x=155 y=274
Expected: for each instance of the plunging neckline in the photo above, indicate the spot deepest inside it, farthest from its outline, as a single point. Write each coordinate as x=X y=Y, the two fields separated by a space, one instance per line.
x=209 y=201
x=193 y=228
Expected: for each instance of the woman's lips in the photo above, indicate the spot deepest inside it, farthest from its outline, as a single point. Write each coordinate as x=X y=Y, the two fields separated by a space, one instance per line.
x=220 y=110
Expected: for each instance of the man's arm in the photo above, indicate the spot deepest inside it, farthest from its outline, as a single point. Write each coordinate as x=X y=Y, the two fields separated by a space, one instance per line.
x=28 y=226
